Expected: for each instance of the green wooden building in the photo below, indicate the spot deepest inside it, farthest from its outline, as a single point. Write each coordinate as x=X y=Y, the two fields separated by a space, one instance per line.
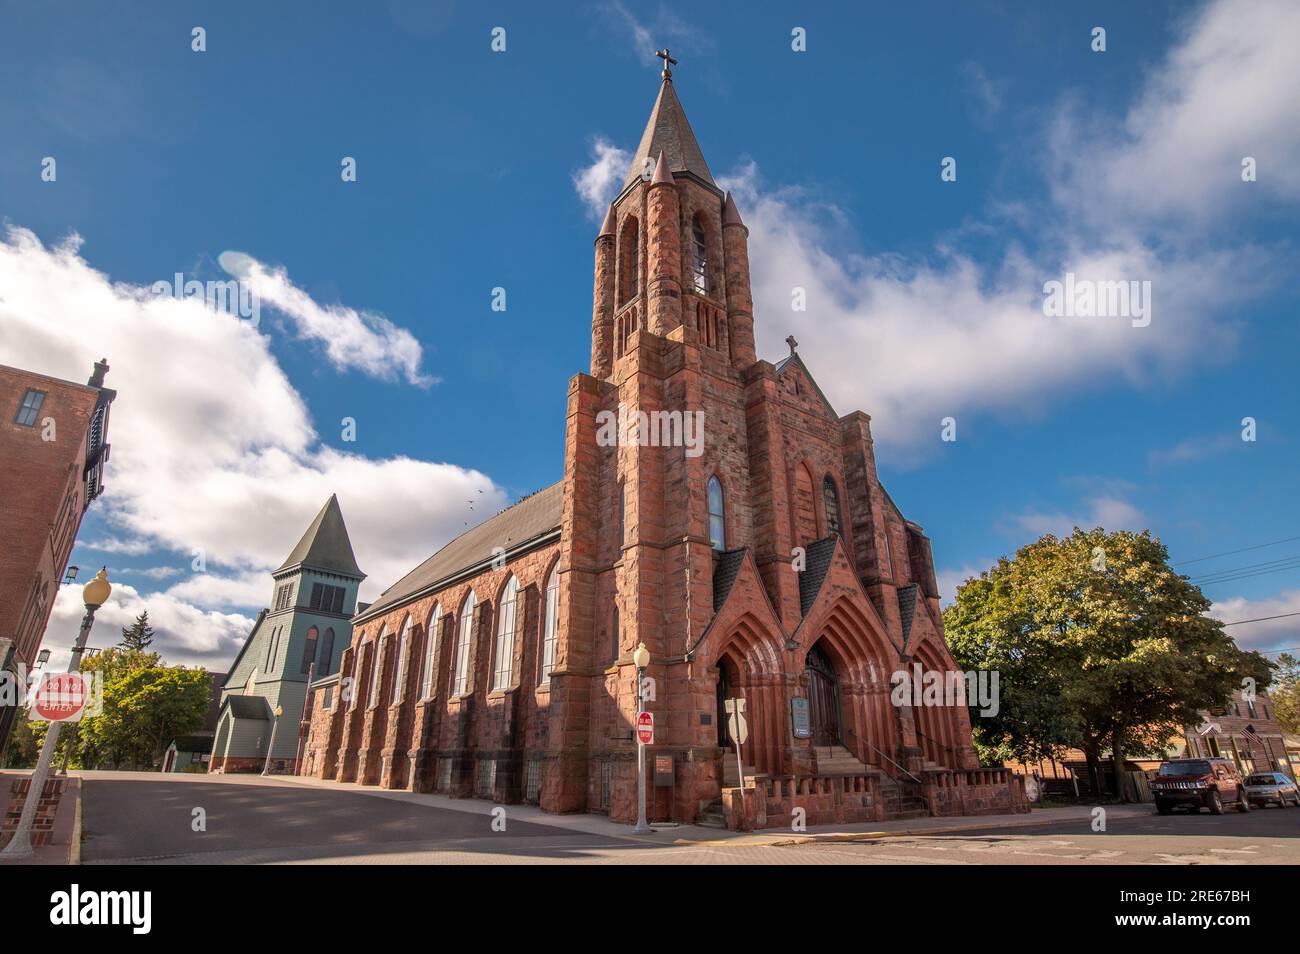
x=301 y=636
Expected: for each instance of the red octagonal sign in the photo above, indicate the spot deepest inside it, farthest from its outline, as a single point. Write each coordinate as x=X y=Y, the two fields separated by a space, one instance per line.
x=645 y=728
x=61 y=696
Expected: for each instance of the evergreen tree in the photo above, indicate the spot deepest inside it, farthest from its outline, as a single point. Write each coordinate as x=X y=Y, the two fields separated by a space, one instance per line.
x=139 y=635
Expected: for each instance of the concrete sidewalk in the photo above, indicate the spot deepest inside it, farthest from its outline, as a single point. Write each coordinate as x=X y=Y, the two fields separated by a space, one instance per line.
x=64 y=846
x=699 y=835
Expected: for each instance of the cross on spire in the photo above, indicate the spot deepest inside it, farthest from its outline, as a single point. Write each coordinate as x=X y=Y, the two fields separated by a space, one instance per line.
x=792 y=343
x=669 y=62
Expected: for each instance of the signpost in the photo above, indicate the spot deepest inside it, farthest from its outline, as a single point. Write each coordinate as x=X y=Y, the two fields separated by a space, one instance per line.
x=645 y=728
x=738 y=729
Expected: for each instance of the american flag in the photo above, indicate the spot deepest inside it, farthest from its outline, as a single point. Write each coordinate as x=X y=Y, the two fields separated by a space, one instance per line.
x=1253 y=737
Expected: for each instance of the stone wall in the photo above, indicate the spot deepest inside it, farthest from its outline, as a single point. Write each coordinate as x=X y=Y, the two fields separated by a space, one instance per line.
x=46 y=808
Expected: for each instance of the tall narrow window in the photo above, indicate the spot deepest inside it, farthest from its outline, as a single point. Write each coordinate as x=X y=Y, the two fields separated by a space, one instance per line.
x=309 y=650
x=622 y=522
x=431 y=640
x=551 y=625
x=325 y=656
x=717 y=515
x=358 y=671
x=460 y=685
x=503 y=665
x=630 y=260
x=831 y=500
x=399 y=677
x=889 y=553
x=699 y=258
x=271 y=647
x=376 y=667
x=614 y=637
x=30 y=409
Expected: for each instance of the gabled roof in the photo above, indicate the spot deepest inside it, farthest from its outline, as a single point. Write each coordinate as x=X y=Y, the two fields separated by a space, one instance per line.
x=793 y=359
x=248 y=707
x=907 y=608
x=817 y=558
x=325 y=545
x=526 y=522
x=668 y=131
x=724 y=575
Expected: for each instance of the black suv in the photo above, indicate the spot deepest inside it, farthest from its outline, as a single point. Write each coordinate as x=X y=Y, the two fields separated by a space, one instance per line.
x=1192 y=783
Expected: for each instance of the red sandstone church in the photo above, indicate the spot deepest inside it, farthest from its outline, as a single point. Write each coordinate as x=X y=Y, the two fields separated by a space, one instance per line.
x=766 y=562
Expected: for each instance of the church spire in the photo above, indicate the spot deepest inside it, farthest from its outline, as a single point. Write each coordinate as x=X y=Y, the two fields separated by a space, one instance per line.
x=325 y=545
x=669 y=132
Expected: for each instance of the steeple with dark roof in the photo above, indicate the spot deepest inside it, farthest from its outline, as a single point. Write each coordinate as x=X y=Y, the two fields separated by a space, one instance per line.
x=669 y=132
x=325 y=545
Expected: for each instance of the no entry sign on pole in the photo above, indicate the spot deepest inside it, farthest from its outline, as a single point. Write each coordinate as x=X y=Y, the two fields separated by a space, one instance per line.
x=645 y=728
x=63 y=697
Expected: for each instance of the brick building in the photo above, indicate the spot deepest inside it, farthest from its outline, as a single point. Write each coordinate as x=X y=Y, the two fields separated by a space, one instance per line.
x=765 y=561
x=53 y=447
x=1246 y=730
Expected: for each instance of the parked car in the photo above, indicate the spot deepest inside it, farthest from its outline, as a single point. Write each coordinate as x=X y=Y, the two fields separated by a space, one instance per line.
x=1196 y=783
x=1272 y=788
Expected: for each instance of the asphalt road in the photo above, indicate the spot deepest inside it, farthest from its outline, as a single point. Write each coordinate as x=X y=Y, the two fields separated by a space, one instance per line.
x=150 y=819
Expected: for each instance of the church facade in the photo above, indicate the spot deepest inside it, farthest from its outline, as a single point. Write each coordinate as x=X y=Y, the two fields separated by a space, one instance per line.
x=301 y=635
x=715 y=508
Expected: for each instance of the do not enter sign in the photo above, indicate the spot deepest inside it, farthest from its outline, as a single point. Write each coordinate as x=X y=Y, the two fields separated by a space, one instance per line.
x=61 y=698
x=645 y=728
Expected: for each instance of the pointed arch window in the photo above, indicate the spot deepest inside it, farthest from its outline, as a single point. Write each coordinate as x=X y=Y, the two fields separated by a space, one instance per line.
x=717 y=515
x=309 y=650
x=831 y=501
x=376 y=665
x=431 y=638
x=699 y=257
x=326 y=654
x=399 y=677
x=551 y=625
x=622 y=522
x=503 y=665
x=630 y=260
x=460 y=681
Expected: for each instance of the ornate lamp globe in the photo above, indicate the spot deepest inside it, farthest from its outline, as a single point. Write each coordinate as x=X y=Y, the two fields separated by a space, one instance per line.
x=641 y=657
x=95 y=593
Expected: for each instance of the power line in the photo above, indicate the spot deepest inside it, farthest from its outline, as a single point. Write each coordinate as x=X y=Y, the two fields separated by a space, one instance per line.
x=1248 y=566
x=1258 y=546
x=1261 y=619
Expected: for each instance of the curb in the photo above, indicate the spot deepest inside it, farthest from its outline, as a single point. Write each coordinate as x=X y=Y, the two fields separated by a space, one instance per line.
x=785 y=841
x=74 y=849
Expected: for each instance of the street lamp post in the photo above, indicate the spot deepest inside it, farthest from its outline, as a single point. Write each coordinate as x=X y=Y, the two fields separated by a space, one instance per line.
x=94 y=595
x=642 y=659
x=270 y=749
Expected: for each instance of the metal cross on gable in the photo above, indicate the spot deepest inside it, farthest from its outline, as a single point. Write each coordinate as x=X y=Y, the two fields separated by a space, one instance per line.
x=669 y=62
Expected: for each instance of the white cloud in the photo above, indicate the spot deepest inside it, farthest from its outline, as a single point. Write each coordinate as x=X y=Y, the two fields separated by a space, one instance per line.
x=1225 y=91
x=353 y=339
x=1109 y=513
x=1192 y=448
x=1270 y=634
x=599 y=181
x=183 y=633
x=213 y=448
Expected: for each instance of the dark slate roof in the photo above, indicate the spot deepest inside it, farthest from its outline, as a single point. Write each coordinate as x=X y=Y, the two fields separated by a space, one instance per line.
x=193 y=743
x=531 y=518
x=248 y=707
x=818 y=557
x=668 y=131
x=325 y=545
x=724 y=575
x=907 y=608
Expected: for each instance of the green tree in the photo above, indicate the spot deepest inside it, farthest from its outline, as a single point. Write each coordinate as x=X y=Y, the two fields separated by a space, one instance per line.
x=1099 y=643
x=1285 y=693
x=139 y=635
x=146 y=705
x=24 y=746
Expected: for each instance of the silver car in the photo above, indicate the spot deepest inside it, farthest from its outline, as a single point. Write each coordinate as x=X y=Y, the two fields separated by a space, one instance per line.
x=1272 y=788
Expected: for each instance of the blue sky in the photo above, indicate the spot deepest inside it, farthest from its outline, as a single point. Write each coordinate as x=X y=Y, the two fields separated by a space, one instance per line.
x=924 y=296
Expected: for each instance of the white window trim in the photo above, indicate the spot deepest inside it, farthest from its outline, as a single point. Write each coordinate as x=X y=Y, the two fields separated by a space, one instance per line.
x=464 y=625
x=399 y=677
x=372 y=698
x=431 y=637
x=551 y=625
x=503 y=661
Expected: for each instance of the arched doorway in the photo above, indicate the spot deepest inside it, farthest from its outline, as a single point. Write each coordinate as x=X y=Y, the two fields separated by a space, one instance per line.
x=823 y=698
x=728 y=681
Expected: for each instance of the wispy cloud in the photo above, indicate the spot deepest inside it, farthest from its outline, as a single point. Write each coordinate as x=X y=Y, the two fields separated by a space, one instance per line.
x=1192 y=448
x=353 y=339
x=1109 y=513
x=598 y=182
